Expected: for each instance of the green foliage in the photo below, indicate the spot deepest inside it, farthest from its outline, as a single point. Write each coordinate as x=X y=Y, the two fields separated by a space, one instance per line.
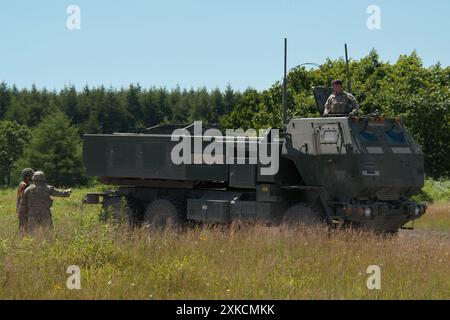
x=28 y=107
x=55 y=148
x=435 y=191
x=13 y=139
x=243 y=114
x=5 y=98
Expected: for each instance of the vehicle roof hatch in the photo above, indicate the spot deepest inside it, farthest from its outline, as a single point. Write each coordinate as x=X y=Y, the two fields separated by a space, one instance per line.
x=321 y=95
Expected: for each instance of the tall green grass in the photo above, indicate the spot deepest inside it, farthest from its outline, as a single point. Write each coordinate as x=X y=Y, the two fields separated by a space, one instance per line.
x=215 y=263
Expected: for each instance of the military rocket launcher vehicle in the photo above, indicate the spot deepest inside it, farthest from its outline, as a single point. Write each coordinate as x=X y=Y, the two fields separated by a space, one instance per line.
x=343 y=170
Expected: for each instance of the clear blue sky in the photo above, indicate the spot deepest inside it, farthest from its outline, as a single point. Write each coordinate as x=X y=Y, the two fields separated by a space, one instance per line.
x=204 y=42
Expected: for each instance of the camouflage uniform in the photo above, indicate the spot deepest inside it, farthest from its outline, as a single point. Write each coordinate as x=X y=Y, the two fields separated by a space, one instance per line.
x=343 y=104
x=36 y=202
x=27 y=175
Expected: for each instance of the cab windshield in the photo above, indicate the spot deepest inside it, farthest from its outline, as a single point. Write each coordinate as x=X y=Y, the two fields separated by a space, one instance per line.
x=382 y=136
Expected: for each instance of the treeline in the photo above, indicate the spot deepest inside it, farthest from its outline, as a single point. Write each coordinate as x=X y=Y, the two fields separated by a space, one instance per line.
x=43 y=129
x=101 y=110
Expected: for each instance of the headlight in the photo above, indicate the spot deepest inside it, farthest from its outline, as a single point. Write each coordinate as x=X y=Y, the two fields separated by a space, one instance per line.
x=368 y=212
x=417 y=211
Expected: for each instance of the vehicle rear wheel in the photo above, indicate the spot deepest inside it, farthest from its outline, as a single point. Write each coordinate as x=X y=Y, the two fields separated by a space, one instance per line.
x=304 y=215
x=163 y=214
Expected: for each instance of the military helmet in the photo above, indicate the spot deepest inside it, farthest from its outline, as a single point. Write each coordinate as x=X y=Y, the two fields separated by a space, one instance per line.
x=39 y=177
x=28 y=172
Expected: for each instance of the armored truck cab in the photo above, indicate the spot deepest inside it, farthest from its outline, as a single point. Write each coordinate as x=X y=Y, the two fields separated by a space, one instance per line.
x=368 y=167
x=343 y=170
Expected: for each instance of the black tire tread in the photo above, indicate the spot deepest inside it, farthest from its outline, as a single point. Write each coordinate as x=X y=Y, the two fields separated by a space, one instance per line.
x=173 y=205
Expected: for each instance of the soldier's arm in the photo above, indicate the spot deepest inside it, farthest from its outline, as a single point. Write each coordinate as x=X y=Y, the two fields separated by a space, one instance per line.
x=353 y=103
x=327 y=107
x=59 y=193
x=21 y=189
x=23 y=206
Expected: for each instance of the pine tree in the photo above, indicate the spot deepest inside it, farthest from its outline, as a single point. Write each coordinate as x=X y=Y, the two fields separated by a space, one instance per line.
x=55 y=148
x=134 y=108
x=13 y=139
x=5 y=99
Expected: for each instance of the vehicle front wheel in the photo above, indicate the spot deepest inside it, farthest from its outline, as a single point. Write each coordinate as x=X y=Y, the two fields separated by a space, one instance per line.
x=163 y=214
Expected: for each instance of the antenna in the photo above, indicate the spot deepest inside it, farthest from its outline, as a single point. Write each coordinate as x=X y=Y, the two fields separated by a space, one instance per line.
x=285 y=85
x=349 y=83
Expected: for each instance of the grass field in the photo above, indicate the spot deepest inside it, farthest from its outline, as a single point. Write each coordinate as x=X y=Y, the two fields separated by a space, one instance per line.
x=248 y=263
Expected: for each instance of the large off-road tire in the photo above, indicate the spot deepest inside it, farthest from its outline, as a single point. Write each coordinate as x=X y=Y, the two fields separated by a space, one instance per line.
x=304 y=215
x=163 y=213
x=116 y=209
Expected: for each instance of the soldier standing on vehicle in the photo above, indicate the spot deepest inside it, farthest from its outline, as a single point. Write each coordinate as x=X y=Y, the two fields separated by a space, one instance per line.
x=36 y=202
x=27 y=175
x=340 y=102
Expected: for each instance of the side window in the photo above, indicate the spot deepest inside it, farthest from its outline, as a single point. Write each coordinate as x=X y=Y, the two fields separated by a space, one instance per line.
x=395 y=138
x=331 y=140
x=329 y=135
x=370 y=142
x=368 y=137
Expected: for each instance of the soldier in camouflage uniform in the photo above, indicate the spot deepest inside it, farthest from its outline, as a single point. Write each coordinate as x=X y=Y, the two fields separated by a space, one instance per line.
x=36 y=202
x=340 y=102
x=27 y=175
